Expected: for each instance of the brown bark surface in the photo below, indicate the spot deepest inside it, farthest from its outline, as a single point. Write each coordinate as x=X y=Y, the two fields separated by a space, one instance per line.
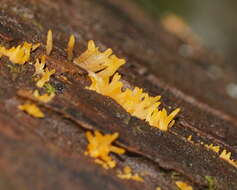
x=48 y=153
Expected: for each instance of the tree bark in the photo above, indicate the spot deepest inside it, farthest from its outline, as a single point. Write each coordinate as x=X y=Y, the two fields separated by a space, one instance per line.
x=48 y=153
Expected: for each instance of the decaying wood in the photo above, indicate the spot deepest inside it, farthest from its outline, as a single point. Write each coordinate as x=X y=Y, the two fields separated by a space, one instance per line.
x=48 y=153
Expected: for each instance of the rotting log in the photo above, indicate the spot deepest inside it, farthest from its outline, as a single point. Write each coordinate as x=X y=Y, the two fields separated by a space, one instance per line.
x=48 y=153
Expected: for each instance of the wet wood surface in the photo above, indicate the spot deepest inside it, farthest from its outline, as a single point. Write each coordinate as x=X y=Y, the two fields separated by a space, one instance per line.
x=48 y=153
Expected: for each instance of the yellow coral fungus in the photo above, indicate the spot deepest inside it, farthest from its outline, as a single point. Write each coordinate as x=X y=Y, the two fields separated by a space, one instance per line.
x=227 y=156
x=213 y=148
x=102 y=67
x=160 y=118
x=45 y=77
x=70 y=47
x=136 y=102
x=31 y=109
x=127 y=174
x=39 y=65
x=19 y=54
x=45 y=98
x=93 y=60
x=190 y=138
x=100 y=146
x=49 y=43
x=183 y=186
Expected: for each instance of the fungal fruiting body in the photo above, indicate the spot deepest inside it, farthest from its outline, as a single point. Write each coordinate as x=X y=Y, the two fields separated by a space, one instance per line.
x=190 y=138
x=70 y=47
x=213 y=148
x=39 y=65
x=227 y=156
x=43 y=72
x=31 y=109
x=93 y=60
x=183 y=186
x=127 y=174
x=102 y=68
x=49 y=42
x=45 y=98
x=45 y=77
x=18 y=55
x=100 y=146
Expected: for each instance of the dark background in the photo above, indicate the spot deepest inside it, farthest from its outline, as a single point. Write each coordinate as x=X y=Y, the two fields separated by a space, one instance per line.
x=215 y=21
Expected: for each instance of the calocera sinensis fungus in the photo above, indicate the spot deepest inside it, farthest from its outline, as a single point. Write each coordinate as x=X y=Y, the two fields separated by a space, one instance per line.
x=93 y=60
x=100 y=146
x=40 y=69
x=227 y=156
x=39 y=65
x=183 y=186
x=49 y=42
x=190 y=138
x=70 y=47
x=17 y=55
x=102 y=68
x=127 y=174
x=31 y=109
x=45 y=98
x=45 y=77
x=213 y=147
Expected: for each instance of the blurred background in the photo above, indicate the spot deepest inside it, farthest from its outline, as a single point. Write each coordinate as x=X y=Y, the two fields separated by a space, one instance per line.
x=214 y=21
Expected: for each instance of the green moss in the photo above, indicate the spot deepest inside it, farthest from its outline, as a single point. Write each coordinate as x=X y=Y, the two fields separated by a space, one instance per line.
x=49 y=88
x=211 y=182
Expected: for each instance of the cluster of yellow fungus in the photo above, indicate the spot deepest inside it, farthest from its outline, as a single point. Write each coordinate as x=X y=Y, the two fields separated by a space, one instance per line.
x=45 y=77
x=49 y=42
x=40 y=69
x=224 y=154
x=31 y=109
x=102 y=68
x=39 y=65
x=213 y=148
x=227 y=156
x=19 y=54
x=100 y=146
x=183 y=186
x=93 y=60
x=127 y=174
